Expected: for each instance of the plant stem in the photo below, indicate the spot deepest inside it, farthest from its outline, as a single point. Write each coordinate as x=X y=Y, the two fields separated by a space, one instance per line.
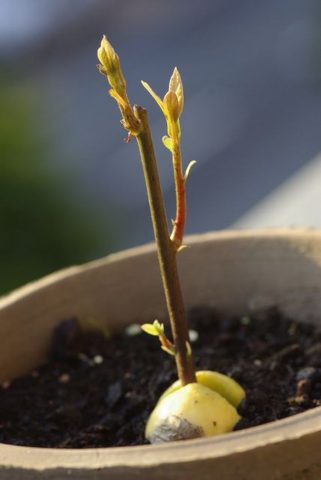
x=179 y=222
x=166 y=252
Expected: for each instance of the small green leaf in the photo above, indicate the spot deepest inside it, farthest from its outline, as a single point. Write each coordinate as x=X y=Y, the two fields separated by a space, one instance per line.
x=159 y=327
x=156 y=328
x=154 y=95
x=150 y=329
x=167 y=142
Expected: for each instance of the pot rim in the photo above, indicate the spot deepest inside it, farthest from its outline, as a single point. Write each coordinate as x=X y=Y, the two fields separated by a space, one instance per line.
x=36 y=458
x=189 y=240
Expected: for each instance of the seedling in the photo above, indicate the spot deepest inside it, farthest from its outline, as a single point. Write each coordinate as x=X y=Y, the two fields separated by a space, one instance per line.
x=199 y=403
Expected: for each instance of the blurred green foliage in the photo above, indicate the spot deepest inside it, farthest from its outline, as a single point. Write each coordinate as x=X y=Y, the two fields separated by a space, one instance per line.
x=42 y=228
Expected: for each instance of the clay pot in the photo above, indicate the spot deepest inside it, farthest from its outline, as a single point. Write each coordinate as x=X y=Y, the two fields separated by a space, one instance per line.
x=233 y=271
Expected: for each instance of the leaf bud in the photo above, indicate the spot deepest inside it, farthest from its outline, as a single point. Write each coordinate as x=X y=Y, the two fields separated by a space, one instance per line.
x=171 y=105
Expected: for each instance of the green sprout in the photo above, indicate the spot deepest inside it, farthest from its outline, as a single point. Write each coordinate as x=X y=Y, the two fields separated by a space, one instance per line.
x=157 y=330
x=199 y=403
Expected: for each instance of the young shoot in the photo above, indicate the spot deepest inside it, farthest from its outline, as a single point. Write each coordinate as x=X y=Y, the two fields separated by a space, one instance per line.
x=172 y=107
x=135 y=121
x=157 y=330
x=199 y=403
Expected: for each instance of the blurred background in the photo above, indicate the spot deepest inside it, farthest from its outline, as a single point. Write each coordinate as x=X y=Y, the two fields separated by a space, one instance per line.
x=71 y=190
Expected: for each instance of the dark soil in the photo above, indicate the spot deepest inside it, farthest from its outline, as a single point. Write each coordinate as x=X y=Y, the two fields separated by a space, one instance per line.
x=98 y=392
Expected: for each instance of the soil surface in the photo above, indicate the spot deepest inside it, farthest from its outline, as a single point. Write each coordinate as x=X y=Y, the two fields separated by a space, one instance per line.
x=97 y=391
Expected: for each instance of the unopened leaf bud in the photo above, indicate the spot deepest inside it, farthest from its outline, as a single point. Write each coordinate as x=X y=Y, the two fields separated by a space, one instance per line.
x=107 y=56
x=171 y=105
x=176 y=86
x=110 y=66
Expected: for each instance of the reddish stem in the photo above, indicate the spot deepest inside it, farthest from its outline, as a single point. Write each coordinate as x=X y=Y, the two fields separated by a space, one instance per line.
x=179 y=222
